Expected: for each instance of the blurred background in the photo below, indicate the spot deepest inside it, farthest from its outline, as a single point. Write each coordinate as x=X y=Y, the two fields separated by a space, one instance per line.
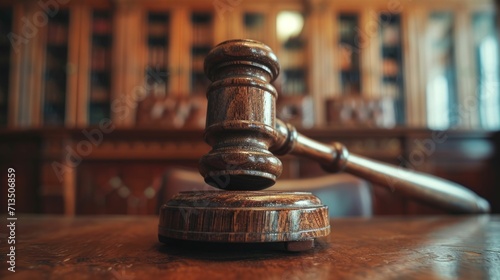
x=99 y=100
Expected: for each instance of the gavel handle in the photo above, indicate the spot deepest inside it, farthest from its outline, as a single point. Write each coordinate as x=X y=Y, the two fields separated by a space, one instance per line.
x=422 y=187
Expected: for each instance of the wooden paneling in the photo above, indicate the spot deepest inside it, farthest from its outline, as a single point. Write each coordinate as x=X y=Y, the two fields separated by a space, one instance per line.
x=52 y=184
x=114 y=187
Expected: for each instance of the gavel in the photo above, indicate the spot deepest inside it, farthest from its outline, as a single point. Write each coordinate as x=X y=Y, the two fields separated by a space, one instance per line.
x=246 y=136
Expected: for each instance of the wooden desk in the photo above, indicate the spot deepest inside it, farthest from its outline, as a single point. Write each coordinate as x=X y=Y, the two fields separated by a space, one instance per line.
x=127 y=248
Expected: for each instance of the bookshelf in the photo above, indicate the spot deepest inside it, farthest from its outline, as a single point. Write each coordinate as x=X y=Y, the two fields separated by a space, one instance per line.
x=158 y=46
x=255 y=26
x=292 y=52
x=100 y=67
x=349 y=49
x=92 y=53
x=55 y=70
x=392 y=76
x=202 y=24
x=5 y=51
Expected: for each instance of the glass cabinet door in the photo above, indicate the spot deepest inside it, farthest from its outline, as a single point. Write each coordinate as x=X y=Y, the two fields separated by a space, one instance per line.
x=487 y=69
x=441 y=96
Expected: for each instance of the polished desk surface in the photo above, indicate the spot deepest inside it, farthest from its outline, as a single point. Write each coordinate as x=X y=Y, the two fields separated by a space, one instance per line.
x=119 y=247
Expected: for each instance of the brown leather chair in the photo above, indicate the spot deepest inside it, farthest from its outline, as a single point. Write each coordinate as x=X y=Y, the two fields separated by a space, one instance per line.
x=344 y=194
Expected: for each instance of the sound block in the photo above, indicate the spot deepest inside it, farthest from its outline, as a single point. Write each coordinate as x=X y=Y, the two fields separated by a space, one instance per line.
x=296 y=218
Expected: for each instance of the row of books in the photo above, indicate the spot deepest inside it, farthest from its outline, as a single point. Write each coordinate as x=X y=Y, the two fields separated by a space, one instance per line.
x=54 y=92
x=350 y=84
x=295 y=58
x=3 y=96
x=347 y=57
x=297 y=110
x=259 y=34
x=348 y=27
x=157 y=57
x=254 y=21
x=199 y=82
x=158 y=29
x=390 y=67
x=391 y=36
x=294 y=84
x=101 y=26
x=202 y=34
x=57 y=33
x=349 y=30
x=98 y=111
x=54 y=62
x=357 y=110
x=99 y=94
x=54 y=114
x=100 y=59
x=392 y=90
x=197 y=62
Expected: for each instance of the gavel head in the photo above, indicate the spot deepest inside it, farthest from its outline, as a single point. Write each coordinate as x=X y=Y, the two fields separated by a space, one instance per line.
x=241 y=118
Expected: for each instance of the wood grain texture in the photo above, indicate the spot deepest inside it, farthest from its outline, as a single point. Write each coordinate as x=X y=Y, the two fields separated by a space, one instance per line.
x=243 y=216
x=122 y=247
x=241 y=116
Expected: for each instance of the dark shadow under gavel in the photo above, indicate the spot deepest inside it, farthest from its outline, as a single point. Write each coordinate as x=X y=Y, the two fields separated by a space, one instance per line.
x=245 y=136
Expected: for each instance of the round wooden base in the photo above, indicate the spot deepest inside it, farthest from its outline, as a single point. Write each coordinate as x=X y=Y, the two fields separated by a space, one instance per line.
x=245 y=217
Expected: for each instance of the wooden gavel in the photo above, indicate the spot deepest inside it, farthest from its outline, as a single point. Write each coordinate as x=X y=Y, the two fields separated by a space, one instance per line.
x=245 y=136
